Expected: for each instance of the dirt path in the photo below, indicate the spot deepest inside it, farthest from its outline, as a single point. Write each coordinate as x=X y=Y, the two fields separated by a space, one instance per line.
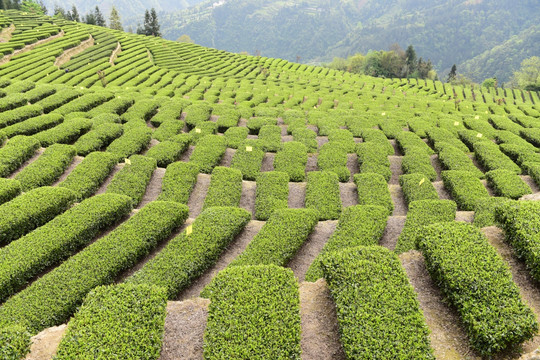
x=311 y=163
x=397 y=152
x=489 y=190
x=448 y=339
x=321 y=140
x=151 y=144
x=297 y=195
x=320 y=333
x=352 y=165
x=232 y=251
x=227 y=157
x=109 y=178
x=268 y=162
x=196 y=199
x=29 y=47
x=154 y=187
x=184 y=329
x=400 y=207
x=529 y=181
x=247 y=201
x=45 y=344
x=394 y=226
x=115 y=53
x=76 y=161
x=465 y=216
x=349 y=194
x=34 y=157
x=69 y=53
x=437 y=166
x=311 y=248
x=441 y=190
x=6 y=33
x=187 y=154
x=395 y=167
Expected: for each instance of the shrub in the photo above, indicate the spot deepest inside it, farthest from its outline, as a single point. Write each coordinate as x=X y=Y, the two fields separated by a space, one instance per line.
x=407 y=140
x=18 y=149
x=208 y=153
x=47 y=168
x=133 y=179
x=307 y=137
x=519 y=153
x=33 y=125
x=452 y=158
x=491 y=157
x=202 y=130
x=51 y=243
x=254 y=125
x=344 y=138
x=464 y=187
x=168 y=129
x=167 y=152
x=372 y=159
x=422 y=213
x=54 y=297
x=322 y=194
x=187 y=256
x=484 y=211
x=130 y=325
x=85 y=102
x=259 y=307
x=14 y=342
x=131 y=142
x=417 y=161
x=333 y=157
x=417 y=187
x=476 y=280
x=375 y=136
x=440 y=135
x=532 y=136
x=178 y=182
x=279 y=239
x=17 y=115
x=292 y=159
x=377 y=310
x=270 y=137
x=65 y=133
x=9 y=189
x=225 y=188
x=533 y=169
x=359 y=225
x=471 y=137
x=236 y=136
x=272 y=194
x=98 y=138
x=373 y=190
x=506 y=183
x=60 y=98
x=87 y=177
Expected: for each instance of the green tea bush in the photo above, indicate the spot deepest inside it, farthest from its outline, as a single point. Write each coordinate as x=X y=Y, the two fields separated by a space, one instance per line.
x=372 y=159
x=292 y=159
x=167 y=152
x=373 y=190
x=410 y=141
x=168 y=129
x=322 y=194
x=377 y=136
x=65 y=133
x=464 y=187
x=248 y=159
x=484 y=211
x=14 y=342
x=133 y=179
x=9 y=189
x=18 y=149
x=225 y=188
x=17 y=115
x=506 y=183
x=272 y=194
x=131 y=142
x=417 y=161
x=270 y=138
x=333 y=157
x=98 y=138
x=417 y=187
x=307 y=137
x=236 y=136
x=208 y=153
x=33 y=125
x=440 y=135
x=178 y=182
x=452 y=158
x=491 y=158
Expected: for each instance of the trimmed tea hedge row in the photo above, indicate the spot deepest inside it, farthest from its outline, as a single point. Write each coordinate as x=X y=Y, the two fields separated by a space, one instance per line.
x=279 y=239
x=307 y=137
x=484 y=211
x=47 y=168
x=133 y=179
x=58 y=99
x=85 y=102
x=417 y=187
x=378 y=313
x=208 y=153
x=98 y=138
x=508 y=184
x=292 y=159
x=202 y=130
x=131 y=142
x=33 y=125
x=168 y=129
x=17 y=115
x=65 y=133
x=270 y=137
x=272 y=194
x=372 y=159
x=14 y=342
x=453 y=158
x=519 y=153
x=260 y=308
x=359 y=225
x=422 y=213
x=417 y=161
x=9 y=189
x=187 y=256
x=438 y=136
x=464 y=187
x=178 y=182
x=87 y=177
x=407 y=141
x=333 y=157
x=54 y=297
x=322 y=194
x=373 y=190
x=479 y=284
x=377 y=137
x=51 y=243
x=225 y=188
x=18 y=149
x=124 y=321
x=248 y=159
x=491 y=157
x=167 y=152
x=236 y=136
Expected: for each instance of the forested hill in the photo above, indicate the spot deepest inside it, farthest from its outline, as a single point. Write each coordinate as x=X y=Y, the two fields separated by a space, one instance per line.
x=446 y=32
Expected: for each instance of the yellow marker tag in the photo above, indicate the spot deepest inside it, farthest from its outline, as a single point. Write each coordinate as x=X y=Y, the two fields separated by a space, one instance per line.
x=478 y=135
x=456 y=123
x=422 y=181
x=127 y=161
x=249 y=148
x=487 y=112
x=197 y=130
x=383 y=114
x=477 y=117
x=189 y=230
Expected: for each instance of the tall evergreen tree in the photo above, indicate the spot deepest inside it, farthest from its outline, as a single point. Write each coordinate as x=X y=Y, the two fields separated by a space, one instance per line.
x=114 y=20
x=59 y=12
x=154 y=24
x=410 y=58
x=90 y=19
x=100 y=20
x=145 y=29
x=75 y=14
x=452 y=74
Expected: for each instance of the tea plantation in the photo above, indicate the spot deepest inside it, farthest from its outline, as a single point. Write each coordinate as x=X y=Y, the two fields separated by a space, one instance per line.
x=162 y=200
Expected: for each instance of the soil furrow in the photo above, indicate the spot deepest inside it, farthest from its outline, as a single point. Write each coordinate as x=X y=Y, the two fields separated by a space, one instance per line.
x=34 y=157
x=297 y=195
x=196 y=199
x=154 y=187
x=349 y=195
x=395 y=167
x=247 y=200
x=400 y=207
x=394 y=226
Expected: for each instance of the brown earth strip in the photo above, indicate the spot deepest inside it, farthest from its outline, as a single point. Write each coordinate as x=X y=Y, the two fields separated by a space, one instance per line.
x=154 y=187
x=352 y=165
x=489 y=189
x=29 y=47
x=69 y=53
x=320 y=332
x=115 y=53
x=247 y=200
x=397 y=152
x=6 y=33
x=311 y=163
x=437 y=166
x=152 y=143
x=268 y=162
x=196 y=200
x=187 y=154
x=465 y=216
x=349 y=195
x=34 y=157
x=441 y=190
x=76 y=161
x=45 y=344
x=400 y=207
x=227 y=158
x=109 y=178
x=394 y=226
x=395 y=167
x=529 y=181
x=297 y=195
x=321 y=140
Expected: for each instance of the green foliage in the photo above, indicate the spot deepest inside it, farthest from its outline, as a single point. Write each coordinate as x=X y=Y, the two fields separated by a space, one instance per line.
x=453 y=158
x=484 y=211
x=292 y=159
x=259 y=307
x=359 y=225
x=464 y=187
x=131 y=142
x=417 y=161
x=373 y=159
x=17 y=115
x=333 y=157
x=117 y=321
x=98 y=138
x=9 y=189
x=168 y=129
x=491 y=157
x=408 y=141
x=279 y=239
x=208 y=153
x=417 y=187
x=533 y=169
x=307 y=137
x=34 y=125
x=373 y=190
x=225 y=188
x=178 y=182
x=18 y=149
x=236 y=136
x=65 y=133
x=133 y=179
x=377 y=310
x=248 y=159
x=14 y=342
x=322 y=194
x=507 y=184
x=53 y=242
x=528 y=76
x=459 y=255
x=167 y=152
x=272 y=194
x=188 y=255
x=422 y=213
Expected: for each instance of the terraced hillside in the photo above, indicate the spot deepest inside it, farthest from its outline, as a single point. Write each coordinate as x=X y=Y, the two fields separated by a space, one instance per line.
x=166 y=200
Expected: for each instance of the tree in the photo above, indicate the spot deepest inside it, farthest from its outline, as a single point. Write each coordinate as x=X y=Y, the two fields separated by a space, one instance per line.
x=59 y=12
x=100 y=20
x=185 y=39
x=452 y=74
x=31 y=6
x=356 y=63
x=74 y=14
x=114 y=20
x=154 y=24
x=145 y=29
x=410 y=59
x=90 y=19
x=43 y=7
x=528 y=76
x=490 y=83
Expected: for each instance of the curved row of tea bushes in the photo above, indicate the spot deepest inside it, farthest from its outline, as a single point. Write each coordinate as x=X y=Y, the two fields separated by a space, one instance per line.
x=507 y=184
x=333 y=157
x=484 y=211
x=53 y=298
x=417 y=161
x=492 y=158
x=167 y=152
x=452 y=158
x=272 y=194
x=65 y=133
x=417 y=187
x=9 y=189
x=17 y=150
x=248 y=159
x=11 y=117
x=377 y=137
x=260 y=308
x=98 y=138
x=168 y=129
x=377 y=310
x=225 y=188
x=51 y=243
x=438 y=136
x=208 y=153
x=236 y=136
x=422 y=213
x=187 y=256
x=408 y=141
x=15 y=342
x=292 y=159
x=373 y=159
x=359 y=225
x=270 y=137
x=133 y=179
x=323 y=195
x=33 y=125
x=58 y=99
x=307 y=137
x=279 y=239
x=85 y=102
x=132 y=141
x=130 y=326
x=373 y=190
x=458 y=255
x=464 y=187
x=178 y=182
